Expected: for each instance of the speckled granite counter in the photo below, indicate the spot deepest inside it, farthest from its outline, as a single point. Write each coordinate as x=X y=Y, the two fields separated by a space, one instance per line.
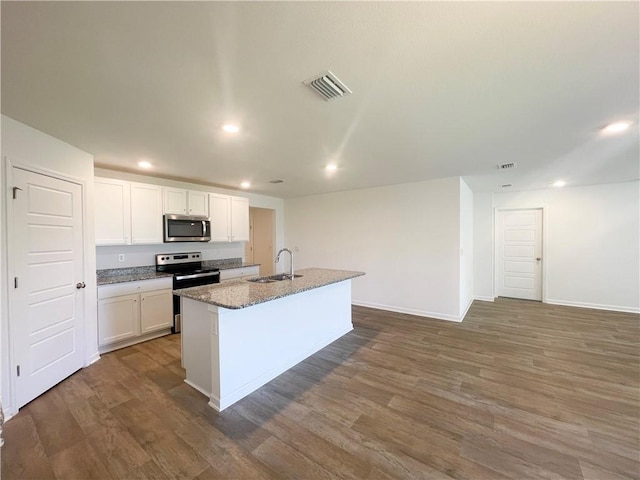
x=227 y=265
x=242 y=293
x=133 y=274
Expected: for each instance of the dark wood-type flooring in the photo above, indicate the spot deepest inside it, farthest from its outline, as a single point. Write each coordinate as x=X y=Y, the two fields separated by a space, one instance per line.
x=518 y=390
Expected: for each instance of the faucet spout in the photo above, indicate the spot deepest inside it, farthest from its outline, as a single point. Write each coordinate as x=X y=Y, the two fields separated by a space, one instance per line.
x=291 y=264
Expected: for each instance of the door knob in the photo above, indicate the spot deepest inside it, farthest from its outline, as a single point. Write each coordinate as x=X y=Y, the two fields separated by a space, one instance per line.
x=538 y=258
x=80 y=285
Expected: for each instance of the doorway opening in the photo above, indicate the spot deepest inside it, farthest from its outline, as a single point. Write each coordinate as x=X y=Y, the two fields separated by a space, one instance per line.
x=518 y=253
x=260 y=247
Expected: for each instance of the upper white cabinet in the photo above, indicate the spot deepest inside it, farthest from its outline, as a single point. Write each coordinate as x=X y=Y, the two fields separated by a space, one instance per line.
x=229 y=218
x=112 y=211
x=239 y=219
x=146 y=213
x=186 y=202
x=127 y=213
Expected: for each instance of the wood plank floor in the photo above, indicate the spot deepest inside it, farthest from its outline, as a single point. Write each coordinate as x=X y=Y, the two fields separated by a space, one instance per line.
x=518 y=390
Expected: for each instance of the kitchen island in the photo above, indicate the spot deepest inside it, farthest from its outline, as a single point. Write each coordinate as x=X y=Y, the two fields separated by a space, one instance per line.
x=239 y=335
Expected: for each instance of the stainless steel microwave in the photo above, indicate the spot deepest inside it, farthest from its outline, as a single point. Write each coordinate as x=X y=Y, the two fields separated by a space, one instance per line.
x=186 y=228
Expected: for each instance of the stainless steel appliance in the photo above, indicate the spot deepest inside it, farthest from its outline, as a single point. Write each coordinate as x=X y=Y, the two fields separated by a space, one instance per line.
x=187 y=272
x=186 y=228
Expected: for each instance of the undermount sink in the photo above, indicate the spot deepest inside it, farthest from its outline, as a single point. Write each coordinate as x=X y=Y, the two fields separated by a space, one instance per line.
x=261 y=280
x=273 y=278
x=282 y=276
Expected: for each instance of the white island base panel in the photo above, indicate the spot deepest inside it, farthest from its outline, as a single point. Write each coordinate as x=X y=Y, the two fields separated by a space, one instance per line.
x=228 y=354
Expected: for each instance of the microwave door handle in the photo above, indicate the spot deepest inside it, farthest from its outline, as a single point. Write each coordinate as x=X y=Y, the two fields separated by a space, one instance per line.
x=204 y=228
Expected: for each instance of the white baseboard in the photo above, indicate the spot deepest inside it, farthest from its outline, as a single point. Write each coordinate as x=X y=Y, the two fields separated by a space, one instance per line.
x=596 y=306
x=483 y=298
x=410 y=311
x=93 y=359
x=464 y=314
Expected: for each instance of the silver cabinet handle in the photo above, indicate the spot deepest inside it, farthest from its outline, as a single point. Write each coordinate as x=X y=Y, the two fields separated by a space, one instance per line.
x=80 y=285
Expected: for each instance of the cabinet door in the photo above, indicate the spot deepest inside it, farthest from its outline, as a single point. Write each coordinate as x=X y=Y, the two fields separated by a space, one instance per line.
x=118 y=319
x=198 y=203
x=175 y=201
x=239 y=219
x=219 y=215
x=146 y=213
x=112 y=211
x=156 y=310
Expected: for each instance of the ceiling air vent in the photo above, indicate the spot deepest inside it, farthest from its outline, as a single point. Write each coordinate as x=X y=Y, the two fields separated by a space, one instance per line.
x=277 y=180
x=506 y=166
x=328 y=86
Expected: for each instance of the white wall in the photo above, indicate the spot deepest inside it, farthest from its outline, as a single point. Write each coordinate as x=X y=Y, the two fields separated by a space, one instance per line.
x=483 y=246
x=466 y=248
x=26 y=147
x=141 y=255
x=592 y=243
x=405 y=237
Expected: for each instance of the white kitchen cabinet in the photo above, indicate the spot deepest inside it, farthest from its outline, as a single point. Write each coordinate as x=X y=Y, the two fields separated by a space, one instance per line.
x=118 y=319
x=239 y=273
x=186 y=202
x=112 y=211
x=146 y=214
x=239 y=219
x=132 y=312
x=229 y=218
x=156 y=310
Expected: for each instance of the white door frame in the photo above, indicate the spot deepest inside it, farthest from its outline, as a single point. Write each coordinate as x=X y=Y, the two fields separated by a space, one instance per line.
x=496 y=247
x=10 y=356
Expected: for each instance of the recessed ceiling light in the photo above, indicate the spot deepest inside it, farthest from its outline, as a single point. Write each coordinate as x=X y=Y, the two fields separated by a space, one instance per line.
x=230 y=128
x=559 y=183
x=245 y=184
x=331 y=167
x=144 y=164
x=616 y=127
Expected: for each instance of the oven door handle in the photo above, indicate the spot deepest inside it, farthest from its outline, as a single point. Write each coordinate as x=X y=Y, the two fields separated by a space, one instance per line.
x=196 y=275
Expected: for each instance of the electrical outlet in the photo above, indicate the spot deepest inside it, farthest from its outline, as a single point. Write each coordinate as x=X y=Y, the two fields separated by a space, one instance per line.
x=121 y=257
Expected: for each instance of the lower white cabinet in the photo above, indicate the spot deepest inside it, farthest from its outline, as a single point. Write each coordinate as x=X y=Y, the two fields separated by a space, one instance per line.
x=129 y=312
x=236 y=273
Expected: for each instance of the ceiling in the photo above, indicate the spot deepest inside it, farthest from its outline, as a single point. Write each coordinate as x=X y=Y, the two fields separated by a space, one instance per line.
x=439 y=89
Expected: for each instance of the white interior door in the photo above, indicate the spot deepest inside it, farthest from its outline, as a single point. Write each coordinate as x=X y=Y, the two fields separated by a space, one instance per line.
x=519 y=254
x=46 y=324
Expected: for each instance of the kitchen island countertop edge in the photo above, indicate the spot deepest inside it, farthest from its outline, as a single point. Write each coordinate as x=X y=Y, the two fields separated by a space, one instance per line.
x=242 y=293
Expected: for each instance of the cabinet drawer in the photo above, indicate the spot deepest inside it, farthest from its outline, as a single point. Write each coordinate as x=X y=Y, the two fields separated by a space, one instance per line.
x=131 y=288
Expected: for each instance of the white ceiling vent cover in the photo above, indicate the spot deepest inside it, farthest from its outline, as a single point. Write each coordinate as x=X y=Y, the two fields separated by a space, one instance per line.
x=328 y=86
x=506 y=166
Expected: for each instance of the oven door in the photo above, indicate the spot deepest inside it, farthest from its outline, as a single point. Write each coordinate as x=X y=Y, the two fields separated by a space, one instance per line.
x=181 y=228
x=186 y=280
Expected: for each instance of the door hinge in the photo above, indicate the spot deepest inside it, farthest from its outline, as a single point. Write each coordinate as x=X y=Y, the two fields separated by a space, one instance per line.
x=15 y=192
x=15 y=282
x=18 y=369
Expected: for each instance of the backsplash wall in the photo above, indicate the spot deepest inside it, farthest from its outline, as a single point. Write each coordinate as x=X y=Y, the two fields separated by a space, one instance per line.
x=144 y=255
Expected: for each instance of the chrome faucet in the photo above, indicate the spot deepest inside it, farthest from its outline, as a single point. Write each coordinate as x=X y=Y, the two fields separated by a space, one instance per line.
x=291 y=264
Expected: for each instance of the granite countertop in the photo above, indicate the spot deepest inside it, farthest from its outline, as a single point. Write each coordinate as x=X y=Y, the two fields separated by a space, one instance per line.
x=242 y=293
x=132 y=274
x=227 y=265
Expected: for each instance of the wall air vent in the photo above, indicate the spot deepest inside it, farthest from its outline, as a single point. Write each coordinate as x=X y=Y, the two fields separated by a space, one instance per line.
x=506 y=166
x=328 y=86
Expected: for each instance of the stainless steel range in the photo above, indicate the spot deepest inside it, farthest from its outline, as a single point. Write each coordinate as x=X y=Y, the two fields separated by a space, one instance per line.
x=187 y=272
